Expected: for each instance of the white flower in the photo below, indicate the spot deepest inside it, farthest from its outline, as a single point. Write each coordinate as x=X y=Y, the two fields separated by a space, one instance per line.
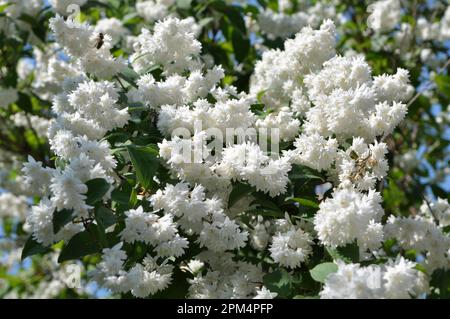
x=39 y=124
x=350 y=215
x=222 y=235
x=147 y=280
x=113 y=27
x=40 y=221
x=385 y=15
x=314 y=151
x=283 y=121
x=147 y=227
x=95 y=102
x=281 y=25
x=291 y=248
x=154 y=10
x=347 y=102
x=439 y=209
x=172 y=45
x=12 y=205
x=394 y=87
x=276 y=75
x=68 y=192
x=112 y=260
x=36 y=176
x=265 y=293
x=249 y=163
x=225 y=278
x=422 y=235
x=397 y=279
x=80 y=42
x=402 y=280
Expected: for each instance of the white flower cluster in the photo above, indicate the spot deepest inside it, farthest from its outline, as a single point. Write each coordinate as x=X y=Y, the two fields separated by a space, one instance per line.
x=13 y=205
x=50 y=71
x=283 y=120
x=348 y=216
x=397 y=279
x=385 y=15
x=160 y=232
x=424 y=236
x=349 y=103
x=201 y=216
x=434 y=30
x=345 y=109
x=175 y=89
x=90 y=109
x=85 y=111
x=13 y=9
x=172 y=45
x=39 y=124
x=291 y=247
x=227 y=279
x=278 y=74
x=153 y=10
x=439 y=209
x=81 y=42
x=141 y=280
x=282 y=25
x=247 y=162
x=113 y=27
x=329 y=106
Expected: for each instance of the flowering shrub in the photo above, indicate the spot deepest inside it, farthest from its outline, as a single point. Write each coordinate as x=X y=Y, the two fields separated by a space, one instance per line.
x=212 y=149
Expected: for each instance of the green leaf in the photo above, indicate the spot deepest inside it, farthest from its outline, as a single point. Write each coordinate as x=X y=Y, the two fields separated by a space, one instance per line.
x=304 y=202
x=131 y=18
x=305 y=297
x=441 y=279
x=145 y=162
x=184 y=4
x=4 y=6
x=348 y=253
x=61 y=218
x=96 y=4
x=257 y=108
x=234 y=15
x=279 y=281
x=129 y=75
x=156 y=70
x=241 y=45
x=32 y=247
x=105 y=217
x=80 y=245
x=263 y=200
x=205 y=21
x=321 y=271
x=97 y=188
x=443 y=84
x=260 y=95
x=24 y=102
x=120 y=196
x=27 y=18
x=266 y=212
x=239 y=191
x=302 y=172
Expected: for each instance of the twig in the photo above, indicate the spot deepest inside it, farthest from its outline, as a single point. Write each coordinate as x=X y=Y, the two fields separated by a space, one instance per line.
x=427 y=84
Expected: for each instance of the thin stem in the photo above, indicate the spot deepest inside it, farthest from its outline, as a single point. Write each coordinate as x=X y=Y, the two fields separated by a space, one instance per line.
x=427 y=84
